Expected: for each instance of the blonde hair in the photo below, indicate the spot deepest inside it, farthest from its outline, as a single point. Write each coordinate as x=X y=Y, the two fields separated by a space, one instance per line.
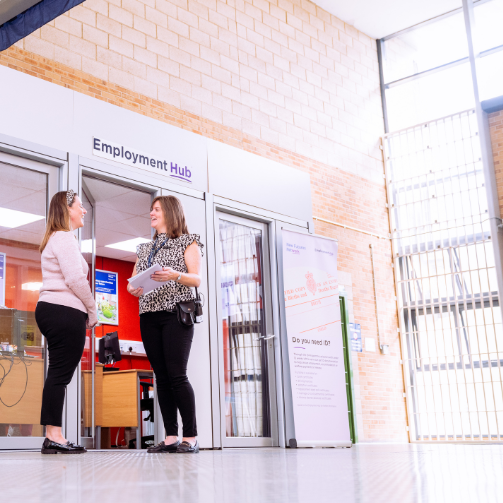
x=174 y=217
x=58 y=218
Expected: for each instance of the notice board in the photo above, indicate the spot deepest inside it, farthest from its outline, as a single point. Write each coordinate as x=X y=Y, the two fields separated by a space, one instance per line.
x=315 y=350
x=107 y=297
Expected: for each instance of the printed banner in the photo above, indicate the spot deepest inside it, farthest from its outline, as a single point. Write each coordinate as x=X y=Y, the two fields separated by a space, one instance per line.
x=315 y=349
x=107 y=298
x=3 y=258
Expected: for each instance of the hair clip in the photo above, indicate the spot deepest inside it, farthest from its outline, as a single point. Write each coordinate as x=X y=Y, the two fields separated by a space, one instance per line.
x=70 y=195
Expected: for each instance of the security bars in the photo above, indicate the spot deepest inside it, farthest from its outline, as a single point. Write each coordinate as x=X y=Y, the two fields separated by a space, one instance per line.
x=448 y=299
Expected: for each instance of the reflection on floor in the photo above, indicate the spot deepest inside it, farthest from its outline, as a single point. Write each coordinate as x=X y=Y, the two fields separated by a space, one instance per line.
x=366 y=473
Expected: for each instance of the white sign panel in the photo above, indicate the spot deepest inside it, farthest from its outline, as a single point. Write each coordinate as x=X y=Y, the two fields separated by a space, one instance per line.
x=315 y=349
x=138 y=159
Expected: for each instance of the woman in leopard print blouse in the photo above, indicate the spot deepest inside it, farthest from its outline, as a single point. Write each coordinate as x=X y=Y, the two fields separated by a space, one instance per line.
x=167 y=342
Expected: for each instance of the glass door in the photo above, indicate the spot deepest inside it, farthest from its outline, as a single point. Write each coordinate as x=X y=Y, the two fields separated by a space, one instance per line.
x=249 y=416
x=114 y=400
x=87 y=362
x=26 y=188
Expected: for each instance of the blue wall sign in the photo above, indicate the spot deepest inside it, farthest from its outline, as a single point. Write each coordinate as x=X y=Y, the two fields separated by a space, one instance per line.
x=107 y=297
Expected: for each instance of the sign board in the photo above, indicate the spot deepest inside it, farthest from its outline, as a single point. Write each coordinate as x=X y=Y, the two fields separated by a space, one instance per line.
x=107 y=297
x=355 y=336
x=3 y=262
x=139 y=159
x=315 y=350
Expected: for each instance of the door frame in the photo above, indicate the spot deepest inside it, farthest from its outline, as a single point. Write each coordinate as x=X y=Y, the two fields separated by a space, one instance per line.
x=274 y=221
x=111 y=174
x=52 y=162
x=267 y=295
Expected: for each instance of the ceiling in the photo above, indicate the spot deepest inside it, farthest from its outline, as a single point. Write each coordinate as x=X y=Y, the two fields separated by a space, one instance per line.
x=121 y=214
x=377 y=19
x=23 y=190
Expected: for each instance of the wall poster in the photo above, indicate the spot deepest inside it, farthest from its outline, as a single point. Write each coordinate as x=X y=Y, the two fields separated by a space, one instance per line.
x=315 y=351
x=355 y=336
x=107 y=297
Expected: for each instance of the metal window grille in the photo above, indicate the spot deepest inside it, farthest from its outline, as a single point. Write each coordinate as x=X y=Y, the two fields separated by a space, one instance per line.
x=447 y=292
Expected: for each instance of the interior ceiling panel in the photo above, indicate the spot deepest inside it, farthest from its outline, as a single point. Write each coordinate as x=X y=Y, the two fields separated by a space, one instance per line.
x=121 y=214
x=377 y=19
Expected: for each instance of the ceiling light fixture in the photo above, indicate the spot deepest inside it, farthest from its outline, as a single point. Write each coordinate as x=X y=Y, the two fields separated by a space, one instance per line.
x=13 y=218
x=128 y=245
x=33 y=286
x=86 y=246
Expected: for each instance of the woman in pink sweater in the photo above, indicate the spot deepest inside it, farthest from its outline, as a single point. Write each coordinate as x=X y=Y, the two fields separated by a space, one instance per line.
x=65 y=309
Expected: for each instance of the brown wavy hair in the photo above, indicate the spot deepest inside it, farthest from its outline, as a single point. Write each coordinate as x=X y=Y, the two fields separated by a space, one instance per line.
x=174 y=216
x=59 y=217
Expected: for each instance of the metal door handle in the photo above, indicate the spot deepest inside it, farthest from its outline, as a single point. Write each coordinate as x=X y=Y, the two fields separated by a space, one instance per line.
x=264 y=338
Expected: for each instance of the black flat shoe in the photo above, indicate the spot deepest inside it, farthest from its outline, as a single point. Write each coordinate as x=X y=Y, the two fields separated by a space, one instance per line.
x=50 y=447
x=162 y=447
x=188 y=448
x=77 y=446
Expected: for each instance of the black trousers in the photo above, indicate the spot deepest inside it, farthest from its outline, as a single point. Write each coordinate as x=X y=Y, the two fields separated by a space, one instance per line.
x=65 y=330
x=167 y=344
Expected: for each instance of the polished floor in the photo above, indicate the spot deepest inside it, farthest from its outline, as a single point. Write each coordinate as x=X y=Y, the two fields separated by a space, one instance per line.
x=365 y=473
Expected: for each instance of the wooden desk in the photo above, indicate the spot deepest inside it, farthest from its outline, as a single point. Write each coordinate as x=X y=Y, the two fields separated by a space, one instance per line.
x=88 y=396
x=117 y=398
x=27 y=411
x=121 y=397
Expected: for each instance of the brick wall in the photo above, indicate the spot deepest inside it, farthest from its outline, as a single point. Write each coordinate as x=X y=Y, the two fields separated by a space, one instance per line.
x=284 y=71
x=283 y=80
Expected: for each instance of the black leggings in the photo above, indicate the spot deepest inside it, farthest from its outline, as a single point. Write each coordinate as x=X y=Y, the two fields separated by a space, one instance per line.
x=65 y=330
x=167 y=344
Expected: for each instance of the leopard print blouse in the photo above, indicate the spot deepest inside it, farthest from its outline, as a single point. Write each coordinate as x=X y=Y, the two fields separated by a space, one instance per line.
x=171 y=255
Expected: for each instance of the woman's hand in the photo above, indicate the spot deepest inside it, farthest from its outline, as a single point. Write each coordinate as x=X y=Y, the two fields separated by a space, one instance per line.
x=92 y=320
x=167 y=274
x=137 y=292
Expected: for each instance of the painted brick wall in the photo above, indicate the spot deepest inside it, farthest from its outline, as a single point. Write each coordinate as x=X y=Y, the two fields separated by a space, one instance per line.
x=347 y=183
x=284 y=71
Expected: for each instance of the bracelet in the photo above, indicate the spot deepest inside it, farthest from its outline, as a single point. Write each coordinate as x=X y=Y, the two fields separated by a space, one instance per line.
x=179 y=277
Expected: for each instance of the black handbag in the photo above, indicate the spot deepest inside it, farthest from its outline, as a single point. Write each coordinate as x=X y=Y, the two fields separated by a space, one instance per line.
x=189 y=312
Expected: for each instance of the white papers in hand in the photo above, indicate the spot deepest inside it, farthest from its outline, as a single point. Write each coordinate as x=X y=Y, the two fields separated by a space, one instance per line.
x=143 y=280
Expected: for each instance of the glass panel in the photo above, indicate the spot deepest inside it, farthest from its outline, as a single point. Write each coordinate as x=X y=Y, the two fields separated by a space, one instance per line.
x=425 y=47
x=449 y=301
x=487 y=31
x=86 y=363
x=490 y=75
x=430 y=97
x=23 y=196
x=117 y=220
x=245 y=358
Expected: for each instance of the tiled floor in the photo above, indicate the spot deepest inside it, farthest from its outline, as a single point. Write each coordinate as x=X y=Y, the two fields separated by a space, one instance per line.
x=365 y=473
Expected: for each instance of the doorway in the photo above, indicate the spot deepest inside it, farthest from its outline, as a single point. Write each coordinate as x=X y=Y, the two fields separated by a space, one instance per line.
x=26 y=188
x=247 y=366
x=116 y=405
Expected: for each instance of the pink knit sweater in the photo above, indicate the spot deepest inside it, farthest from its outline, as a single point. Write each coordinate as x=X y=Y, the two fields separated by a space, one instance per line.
x=64 y=275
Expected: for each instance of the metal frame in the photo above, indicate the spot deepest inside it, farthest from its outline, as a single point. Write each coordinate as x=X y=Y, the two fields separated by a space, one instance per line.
x=84 y=167
x=456 y=305
x=52 y=162
x=245 y=219
x=467 y=9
